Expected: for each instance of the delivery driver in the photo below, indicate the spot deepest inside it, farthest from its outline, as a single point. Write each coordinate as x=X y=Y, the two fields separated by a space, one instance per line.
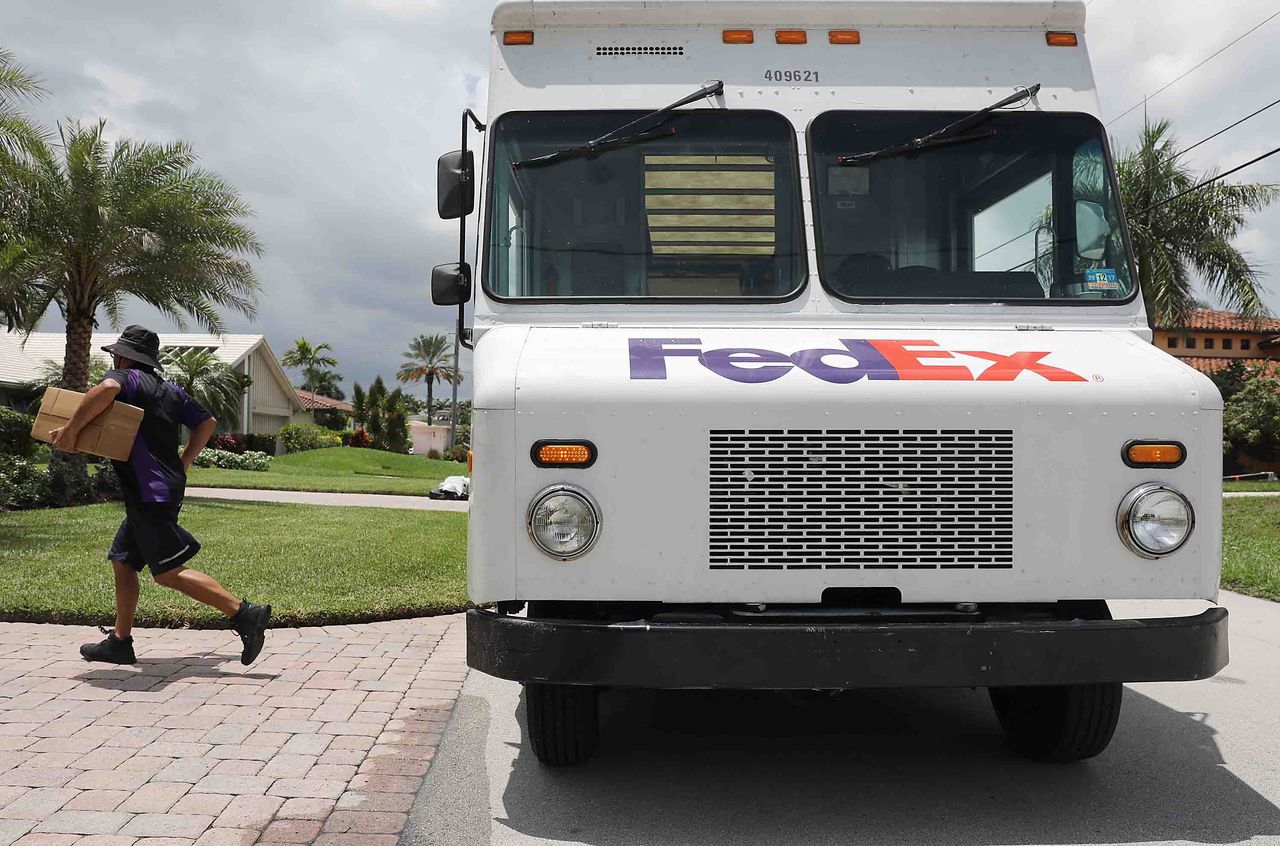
x=153 y=481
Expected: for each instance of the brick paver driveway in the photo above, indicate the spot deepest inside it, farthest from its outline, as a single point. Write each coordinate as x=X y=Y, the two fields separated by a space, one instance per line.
x=325 y=739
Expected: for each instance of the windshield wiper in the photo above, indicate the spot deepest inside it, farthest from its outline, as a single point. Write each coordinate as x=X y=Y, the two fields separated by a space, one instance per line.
x=615 y=137
x=945 y=136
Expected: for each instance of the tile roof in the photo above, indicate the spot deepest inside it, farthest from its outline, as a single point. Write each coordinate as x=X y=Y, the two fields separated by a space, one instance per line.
x=1208 y=319
x=21 y=359
x=1210 y=364
x=311 y=401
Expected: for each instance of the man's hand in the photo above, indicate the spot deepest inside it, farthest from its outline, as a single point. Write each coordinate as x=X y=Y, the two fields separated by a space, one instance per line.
x=64 y=438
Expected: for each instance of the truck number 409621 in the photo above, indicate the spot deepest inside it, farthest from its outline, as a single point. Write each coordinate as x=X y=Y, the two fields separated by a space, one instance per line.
x=791 y=76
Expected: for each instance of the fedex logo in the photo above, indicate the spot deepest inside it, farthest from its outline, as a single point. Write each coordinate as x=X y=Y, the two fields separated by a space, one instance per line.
x=854 y=359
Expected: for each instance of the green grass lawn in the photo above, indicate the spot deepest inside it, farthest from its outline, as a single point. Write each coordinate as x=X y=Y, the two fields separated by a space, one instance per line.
x=314 y=564
x=1251 y=486
x=1251 y=546
x=340 y=469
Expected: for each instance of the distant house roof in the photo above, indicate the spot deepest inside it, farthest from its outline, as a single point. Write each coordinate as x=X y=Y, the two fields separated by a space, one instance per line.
x=1210 y=365
x=22 y=358
x=312 y=402
x=1212 y=320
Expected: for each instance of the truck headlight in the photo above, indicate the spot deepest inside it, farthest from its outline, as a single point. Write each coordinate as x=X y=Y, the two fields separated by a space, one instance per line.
x=564 y=521
x=1154 y=520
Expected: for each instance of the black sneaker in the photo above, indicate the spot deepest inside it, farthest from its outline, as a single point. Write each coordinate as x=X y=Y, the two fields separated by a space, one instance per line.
x=251 y=624
x=113 y=650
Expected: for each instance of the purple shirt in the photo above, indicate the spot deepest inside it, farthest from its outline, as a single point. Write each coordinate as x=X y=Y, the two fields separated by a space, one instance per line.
x=154 y=471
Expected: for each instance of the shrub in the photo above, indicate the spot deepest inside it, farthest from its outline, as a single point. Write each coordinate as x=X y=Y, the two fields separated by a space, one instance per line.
x=15 y=433
x=359 y=439
x=65 y=485
x=106 y=483
x=260 y=443
x=22 y=484
x=1251 y=421
x=256 y=461
x=229 y=443
x=433 y=454
x=456 y=453
x=300 y=437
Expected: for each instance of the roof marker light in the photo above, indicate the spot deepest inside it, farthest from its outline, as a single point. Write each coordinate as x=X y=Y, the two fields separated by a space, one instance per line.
x=517 y=36
x=738 y=36
x=1061 y=39
x=844 y=36
x=791 y=36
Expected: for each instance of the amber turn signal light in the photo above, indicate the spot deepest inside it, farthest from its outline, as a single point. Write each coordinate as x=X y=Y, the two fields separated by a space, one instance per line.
x=791 y=36
x=1061 y=39
x=844 y=36
x=517 y=36
x=738 y=36
x=563 y=453
x=471 y=462
x=1154 y=454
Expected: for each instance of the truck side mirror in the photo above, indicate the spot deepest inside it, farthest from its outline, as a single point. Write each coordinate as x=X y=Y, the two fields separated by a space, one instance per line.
x=451 y=284
x=1092 y=230
x=455 y=184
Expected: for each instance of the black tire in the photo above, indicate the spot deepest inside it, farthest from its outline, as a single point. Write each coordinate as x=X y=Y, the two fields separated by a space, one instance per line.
x=562 y=722
x=1059 y=723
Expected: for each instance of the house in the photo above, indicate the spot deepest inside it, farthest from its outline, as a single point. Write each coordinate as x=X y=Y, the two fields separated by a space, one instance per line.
x=269 y=402
x=1213 y=339
x=313 y=403
x=426 y=438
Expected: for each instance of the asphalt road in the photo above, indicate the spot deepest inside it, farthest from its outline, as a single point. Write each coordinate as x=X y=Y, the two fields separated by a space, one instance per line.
x=1191 y=762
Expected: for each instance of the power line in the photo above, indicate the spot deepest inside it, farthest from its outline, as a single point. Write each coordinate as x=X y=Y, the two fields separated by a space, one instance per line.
x=1227 y=129
x=1177 y=196
x=1174 y=82
x=1171 y=159
x=1206 y=183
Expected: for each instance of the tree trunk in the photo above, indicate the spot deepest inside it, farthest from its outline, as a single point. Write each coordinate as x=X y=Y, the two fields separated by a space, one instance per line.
x=75 y=376
x=75 y=361
x=430 y=380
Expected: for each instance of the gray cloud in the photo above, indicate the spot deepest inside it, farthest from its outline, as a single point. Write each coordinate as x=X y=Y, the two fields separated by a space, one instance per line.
x=329 y=116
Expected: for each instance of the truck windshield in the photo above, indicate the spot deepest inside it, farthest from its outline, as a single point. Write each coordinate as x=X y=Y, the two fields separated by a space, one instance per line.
x=707 y=209
x=1027 y=211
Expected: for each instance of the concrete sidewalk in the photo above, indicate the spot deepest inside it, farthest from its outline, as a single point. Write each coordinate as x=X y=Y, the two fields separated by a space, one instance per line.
x=324 y=740
x=353 y=500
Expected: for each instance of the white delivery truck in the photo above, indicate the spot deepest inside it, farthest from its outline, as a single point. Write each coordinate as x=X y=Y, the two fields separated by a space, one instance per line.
x=809 y=353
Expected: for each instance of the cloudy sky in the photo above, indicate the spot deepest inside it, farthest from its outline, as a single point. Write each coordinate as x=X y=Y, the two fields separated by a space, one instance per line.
x=329 y=115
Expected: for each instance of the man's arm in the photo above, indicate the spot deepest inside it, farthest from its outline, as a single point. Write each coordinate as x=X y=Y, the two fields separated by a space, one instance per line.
x=95 y=402
x=200 y=436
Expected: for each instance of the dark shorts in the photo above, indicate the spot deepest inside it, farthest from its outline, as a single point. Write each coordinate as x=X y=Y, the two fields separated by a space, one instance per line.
x=151 y=537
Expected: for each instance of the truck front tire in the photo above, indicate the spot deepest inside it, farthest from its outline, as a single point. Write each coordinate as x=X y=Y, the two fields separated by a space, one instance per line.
x=562 y=722
x=1059 y=723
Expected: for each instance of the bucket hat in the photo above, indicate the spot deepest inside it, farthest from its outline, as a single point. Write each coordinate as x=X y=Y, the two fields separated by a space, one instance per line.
x=137 y=343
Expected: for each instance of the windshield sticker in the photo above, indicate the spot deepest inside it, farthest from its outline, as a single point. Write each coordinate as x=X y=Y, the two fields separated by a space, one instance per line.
x=855 y=360
x=1103 y=279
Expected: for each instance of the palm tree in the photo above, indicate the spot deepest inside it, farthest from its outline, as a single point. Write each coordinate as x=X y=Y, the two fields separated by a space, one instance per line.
x=1178 y=239
x=212 y=383
x=312 y=360
x=428 y=361
x=96 y=223
x=51 y=374
x=16 y=132
x=17 y=136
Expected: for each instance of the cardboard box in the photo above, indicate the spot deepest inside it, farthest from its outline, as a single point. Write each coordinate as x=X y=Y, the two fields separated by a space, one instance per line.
x=109 y=435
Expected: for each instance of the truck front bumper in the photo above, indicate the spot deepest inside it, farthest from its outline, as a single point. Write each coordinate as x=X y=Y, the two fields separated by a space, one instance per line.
x=829 y=656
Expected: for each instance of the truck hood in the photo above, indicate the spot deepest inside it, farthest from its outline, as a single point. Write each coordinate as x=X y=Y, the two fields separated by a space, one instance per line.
x=769 y=464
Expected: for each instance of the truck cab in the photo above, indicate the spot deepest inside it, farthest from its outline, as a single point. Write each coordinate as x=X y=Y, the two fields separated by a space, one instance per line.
x=809 y=353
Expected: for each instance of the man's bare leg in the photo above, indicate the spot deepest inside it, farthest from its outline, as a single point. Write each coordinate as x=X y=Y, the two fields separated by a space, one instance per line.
x=201 y=588
x=126 y=598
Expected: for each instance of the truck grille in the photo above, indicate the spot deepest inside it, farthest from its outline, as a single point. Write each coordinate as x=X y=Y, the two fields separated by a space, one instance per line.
x=844 y=499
